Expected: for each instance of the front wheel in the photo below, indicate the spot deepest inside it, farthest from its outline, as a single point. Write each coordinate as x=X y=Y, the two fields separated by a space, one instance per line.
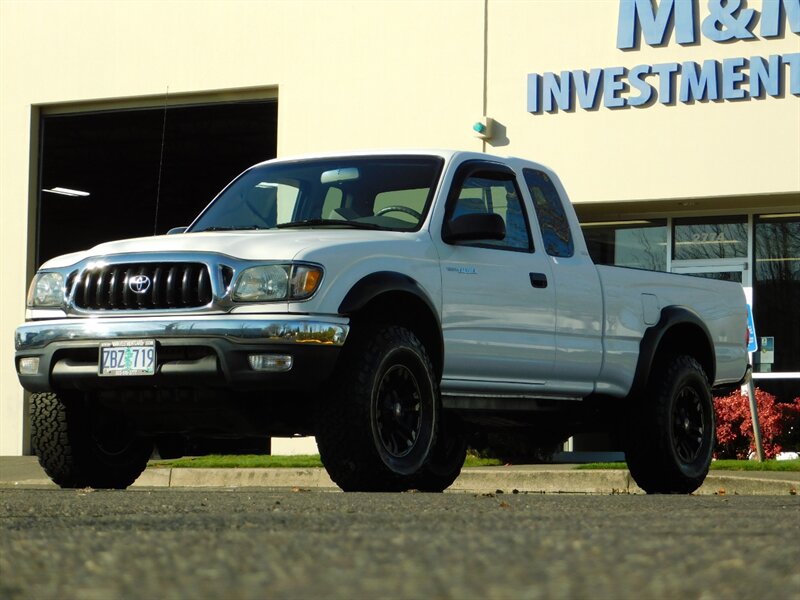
x=381 y=427
x=447 y=458
x=671 y=432
x=80 y=444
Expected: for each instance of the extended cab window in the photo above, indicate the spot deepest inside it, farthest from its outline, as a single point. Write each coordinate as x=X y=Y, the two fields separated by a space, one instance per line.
x=484 y=190
x=550 y=214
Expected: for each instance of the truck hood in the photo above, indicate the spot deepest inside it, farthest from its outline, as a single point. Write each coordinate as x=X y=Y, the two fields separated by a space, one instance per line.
x=273 y=244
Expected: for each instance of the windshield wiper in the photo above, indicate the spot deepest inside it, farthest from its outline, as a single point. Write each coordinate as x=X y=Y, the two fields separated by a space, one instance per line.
x=331 y=222
x=230 y=228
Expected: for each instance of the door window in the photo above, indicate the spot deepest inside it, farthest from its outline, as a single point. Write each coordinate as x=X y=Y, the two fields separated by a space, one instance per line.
x=493 y=192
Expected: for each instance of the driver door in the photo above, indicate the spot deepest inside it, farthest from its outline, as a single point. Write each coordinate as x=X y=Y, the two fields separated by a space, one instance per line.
x=498 y=315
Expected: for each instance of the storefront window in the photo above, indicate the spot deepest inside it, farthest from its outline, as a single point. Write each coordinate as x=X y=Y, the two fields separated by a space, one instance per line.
x=718 y=275
x=710 y=238
x=639 y=244
x=776 y=293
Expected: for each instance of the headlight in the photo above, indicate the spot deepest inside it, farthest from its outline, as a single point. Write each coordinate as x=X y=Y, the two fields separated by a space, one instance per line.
x=269 y=283
x=262 y=284
x=47 y=290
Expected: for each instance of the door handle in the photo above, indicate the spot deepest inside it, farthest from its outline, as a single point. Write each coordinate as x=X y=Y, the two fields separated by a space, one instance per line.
x=538 y=280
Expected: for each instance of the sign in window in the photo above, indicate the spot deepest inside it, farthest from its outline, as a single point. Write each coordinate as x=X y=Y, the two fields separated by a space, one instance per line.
x=710 y=238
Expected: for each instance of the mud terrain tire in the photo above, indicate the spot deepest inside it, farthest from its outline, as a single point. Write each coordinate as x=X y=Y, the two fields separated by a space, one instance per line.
x=379 y=429
x=81 y=445
x=671 y=432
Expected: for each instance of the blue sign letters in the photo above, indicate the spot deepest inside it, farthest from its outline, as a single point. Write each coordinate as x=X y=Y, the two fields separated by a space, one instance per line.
x=730 y=79
x=654 y=25
x=726 y=20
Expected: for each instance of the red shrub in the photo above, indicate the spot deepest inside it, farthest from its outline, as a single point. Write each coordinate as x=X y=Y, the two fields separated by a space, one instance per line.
x=735 y=428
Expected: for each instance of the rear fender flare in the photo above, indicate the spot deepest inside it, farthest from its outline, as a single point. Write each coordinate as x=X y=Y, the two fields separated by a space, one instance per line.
x=677 y=324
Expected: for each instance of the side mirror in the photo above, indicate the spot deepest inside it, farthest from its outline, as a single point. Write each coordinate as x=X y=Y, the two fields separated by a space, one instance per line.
x=477 y=226
x=175 y=230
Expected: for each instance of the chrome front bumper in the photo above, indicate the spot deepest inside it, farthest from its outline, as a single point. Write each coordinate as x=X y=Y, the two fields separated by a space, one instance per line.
x=255 y=329
x=196 y=352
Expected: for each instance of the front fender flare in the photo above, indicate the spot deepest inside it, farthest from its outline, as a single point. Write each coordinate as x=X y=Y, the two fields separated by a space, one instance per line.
x=377 y=284
x=381 y=282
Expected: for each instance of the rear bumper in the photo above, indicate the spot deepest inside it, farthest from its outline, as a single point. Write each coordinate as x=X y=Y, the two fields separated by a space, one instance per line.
x=727 y=388
x=192 y=352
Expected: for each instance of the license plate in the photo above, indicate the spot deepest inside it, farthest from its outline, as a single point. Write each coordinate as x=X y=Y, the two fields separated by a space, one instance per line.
x=127 y=357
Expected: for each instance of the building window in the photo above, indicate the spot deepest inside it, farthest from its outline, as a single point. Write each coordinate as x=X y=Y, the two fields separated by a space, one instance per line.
x=640 y=244
x=710 y=238
x=776 y=293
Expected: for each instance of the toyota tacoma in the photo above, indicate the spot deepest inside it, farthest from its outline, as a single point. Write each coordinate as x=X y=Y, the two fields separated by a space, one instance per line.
x=392 y=304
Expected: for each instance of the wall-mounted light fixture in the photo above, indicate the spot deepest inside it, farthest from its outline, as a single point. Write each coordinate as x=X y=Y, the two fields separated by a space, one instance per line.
x=483 y=128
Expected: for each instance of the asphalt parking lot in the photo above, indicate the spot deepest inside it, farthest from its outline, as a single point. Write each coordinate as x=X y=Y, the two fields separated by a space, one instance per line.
x=296 y=543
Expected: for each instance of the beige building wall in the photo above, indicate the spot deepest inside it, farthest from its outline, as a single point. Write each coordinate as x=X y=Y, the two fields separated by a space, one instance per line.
x=708 y=149
x=386 y=73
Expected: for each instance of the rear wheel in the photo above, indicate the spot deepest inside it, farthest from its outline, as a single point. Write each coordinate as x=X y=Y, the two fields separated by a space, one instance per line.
x=380 y=429
x=671 y=433
x=81 y=445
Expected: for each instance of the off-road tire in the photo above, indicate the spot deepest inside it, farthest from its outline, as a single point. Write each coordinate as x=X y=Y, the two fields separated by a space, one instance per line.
x=383 y=366
x=671 y=431
x=448 y=457
x=79 y=448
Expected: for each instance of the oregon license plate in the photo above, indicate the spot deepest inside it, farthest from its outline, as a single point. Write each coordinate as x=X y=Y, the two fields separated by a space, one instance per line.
x=127 y=357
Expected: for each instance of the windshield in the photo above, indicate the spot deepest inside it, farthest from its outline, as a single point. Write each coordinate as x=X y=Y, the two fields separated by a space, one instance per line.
x=387 y=192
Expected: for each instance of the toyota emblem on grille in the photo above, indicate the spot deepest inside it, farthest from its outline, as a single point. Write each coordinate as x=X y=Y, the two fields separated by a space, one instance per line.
x=139 y=284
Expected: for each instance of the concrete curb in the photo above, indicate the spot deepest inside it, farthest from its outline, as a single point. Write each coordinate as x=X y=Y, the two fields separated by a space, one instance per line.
x=169 y=477
x=544 y=481
x=480 y=480
x=25 y=472
x=747 y=486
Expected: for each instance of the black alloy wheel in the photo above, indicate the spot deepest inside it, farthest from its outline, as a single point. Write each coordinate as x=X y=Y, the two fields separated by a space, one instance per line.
x=670 y=434
x=380 y=428
x=398 y=411
x=688 y=425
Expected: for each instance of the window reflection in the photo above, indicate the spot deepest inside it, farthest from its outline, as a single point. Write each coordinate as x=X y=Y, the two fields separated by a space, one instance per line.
x=495 y=194
x=710 y=238
x=776 y=290
x=638 y=244
x=720 y=275
x=550 y=213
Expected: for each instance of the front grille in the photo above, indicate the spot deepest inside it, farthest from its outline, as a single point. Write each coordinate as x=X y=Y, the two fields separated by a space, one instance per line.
x=164 y=285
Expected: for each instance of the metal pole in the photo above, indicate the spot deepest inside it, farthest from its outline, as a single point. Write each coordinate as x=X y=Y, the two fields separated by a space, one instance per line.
x=751 y=395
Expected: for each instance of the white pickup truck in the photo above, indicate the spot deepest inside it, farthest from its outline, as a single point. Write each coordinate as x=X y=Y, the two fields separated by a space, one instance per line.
x=389 y=303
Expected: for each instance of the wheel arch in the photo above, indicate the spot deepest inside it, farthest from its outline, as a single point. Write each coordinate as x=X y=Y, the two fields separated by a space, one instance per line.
x=405 y=300
x=680 y=330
